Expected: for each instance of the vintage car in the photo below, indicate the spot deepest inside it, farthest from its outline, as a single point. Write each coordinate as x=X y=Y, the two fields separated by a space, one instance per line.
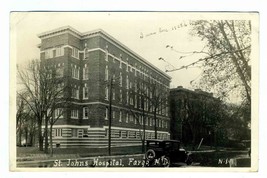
x=166 y=153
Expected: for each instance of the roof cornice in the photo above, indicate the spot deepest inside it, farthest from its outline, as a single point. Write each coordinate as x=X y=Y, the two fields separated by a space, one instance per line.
x=69 y=29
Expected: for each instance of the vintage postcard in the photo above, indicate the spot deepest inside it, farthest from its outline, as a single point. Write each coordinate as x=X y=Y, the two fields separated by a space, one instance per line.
x=117 y=90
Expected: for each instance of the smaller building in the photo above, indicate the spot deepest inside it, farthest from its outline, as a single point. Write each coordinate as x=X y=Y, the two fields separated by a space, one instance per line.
x=194 y=115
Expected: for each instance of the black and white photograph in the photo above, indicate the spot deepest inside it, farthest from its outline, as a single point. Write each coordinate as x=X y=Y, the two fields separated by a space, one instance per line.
x=146 y=90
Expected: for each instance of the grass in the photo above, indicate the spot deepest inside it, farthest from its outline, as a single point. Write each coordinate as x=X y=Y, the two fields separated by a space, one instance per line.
x=77 y=152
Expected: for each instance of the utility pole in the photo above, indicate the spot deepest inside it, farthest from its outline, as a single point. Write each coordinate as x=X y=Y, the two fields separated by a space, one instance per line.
x=110 y=116
x=144 y=125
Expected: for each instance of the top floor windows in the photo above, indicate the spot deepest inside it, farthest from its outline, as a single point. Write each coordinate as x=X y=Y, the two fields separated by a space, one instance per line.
x=75 y=52
x=59 y=51
x=54 y=52
x=106 y=55
x=49 y=53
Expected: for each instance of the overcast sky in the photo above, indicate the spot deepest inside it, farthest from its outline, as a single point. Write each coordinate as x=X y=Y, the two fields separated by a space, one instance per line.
x=145 y=33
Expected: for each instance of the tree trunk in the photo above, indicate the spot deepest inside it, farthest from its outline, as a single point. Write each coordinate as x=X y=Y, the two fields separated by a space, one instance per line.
x=155 y=119
x=144 y=132
x=51 y=140
x=20 y=132
x=26 y=136
x=46 y=134
x=19 y=138
x=236 y=64
x=40 y=136
x=31 y=138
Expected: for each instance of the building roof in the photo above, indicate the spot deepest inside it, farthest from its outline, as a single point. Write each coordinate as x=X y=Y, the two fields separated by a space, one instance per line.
x=85 y=35
x=196 y=91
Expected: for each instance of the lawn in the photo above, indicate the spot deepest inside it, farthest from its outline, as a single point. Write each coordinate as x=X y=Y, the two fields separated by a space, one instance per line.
x=78 y=152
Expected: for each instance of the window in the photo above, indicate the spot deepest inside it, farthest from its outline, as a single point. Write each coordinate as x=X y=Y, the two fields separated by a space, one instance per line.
x=140 y=104
x=113 y=94
x=135 y=101
x=59 y=113
x=85 y=112
x=120 y=96
x=59 y=51
x=85 y=92
x=85 y=72
x=58 y=132
x=85 y=132
x=146 y=120
x=60 y=90
x=131 y=100
x=75 y=92
x=106 y=55
x=120 y=79
x=131 y=117
x=150 y=121
x=75 y=72
x=127 y=97
x=106 y=114
x=49 y=53
x=106 y=93
x=74 y=114
x=113 y=114
x=127 y=118
x=127 y=82
x=127 y=65
x=75 y=52
x=74 y=132
x=49 y=74
x=59 y=72
x=120 y=116
x=106 y=73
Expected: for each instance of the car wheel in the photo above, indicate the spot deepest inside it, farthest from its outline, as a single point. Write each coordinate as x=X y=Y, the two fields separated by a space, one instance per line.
x=189 y=161
x=150 y=155
x=166 y=162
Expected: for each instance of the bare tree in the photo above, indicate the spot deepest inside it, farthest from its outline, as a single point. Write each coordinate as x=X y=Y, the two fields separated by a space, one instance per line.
x=201 y=112
x=226 y=60
x=153 y=99
x=158 y=100
x=21 y=117
x=41 y=82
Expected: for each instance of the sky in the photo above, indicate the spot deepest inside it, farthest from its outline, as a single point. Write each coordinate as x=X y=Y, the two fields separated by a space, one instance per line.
x=147 y=34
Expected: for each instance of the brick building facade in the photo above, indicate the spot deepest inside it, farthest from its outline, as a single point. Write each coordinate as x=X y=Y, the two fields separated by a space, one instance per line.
x=194 y=115
x=87 y=62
